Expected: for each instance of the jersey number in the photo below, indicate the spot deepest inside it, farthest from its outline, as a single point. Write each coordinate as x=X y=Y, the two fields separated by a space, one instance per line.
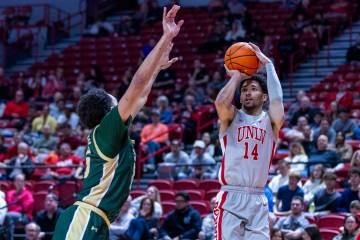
x=254 y=152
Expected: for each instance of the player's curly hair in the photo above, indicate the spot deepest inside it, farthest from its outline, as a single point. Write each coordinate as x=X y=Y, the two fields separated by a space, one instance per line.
x=258 y=78
x=93 y=106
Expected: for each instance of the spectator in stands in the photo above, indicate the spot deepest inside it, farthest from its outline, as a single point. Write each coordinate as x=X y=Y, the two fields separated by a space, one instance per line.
x=297 y=154
x=344 y=124
x=100 y=28
x=64 y=161
x=282 y=177
x=207 y=227
x=153 y=193
x=51 y=86
x=177 y=156
x=343 y=150
x=295 y=106
x=236 y=8
x=199 y=157
x=308 y=142
x=292 y=226
x=355 y=160
x=47 y=141
x=145 y=225
x=322 y=154
x=47 y=218
x=68 y=116
x=328 y=199
x=305 y=110
x=21 y=163
x=319 y=23
x=236 y=33
x=314 y=183
x=199 y=73
x=95 y=79
x=12 y=150
x=128 y=26
x=343 y=98
x=351 y=228
x=68 y=135
x=3 y=208
x=20 y=204
x=57 y=106
x=215 y=38
x=122 y=222
x=311 y=232
x=153 y=135
x=287 y=192
x=149 y=11
x=17 y=109
x=353 y=53
x=182 y=223
x=355 y=207
x=195 y=91
x=32 y=231
x=351 y=193
x=44 y=119
x=210 y=147
x=325 y=129
x=162 y=103
x=317 y=120
x=296 y=133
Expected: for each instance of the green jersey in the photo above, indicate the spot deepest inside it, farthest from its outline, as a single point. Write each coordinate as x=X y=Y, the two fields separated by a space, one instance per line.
x=109 y=172
x=110 y=160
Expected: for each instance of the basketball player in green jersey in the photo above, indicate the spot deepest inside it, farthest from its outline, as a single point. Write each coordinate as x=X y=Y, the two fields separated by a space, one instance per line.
x=110 y=156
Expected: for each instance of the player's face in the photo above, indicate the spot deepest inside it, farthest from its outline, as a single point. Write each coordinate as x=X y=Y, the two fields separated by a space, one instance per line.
x=251 y=95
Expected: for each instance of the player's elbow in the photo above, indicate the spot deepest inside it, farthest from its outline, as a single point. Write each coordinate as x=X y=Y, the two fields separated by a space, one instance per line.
x=221 y=101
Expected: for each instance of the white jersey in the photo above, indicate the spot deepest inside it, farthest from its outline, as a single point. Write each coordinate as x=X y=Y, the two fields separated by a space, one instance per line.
x=248 y=146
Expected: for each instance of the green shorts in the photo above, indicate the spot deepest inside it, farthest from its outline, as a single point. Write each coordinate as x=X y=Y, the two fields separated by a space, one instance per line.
x=77 y=223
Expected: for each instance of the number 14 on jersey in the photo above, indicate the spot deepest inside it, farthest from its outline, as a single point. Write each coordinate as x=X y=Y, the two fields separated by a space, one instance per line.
x=254 y=151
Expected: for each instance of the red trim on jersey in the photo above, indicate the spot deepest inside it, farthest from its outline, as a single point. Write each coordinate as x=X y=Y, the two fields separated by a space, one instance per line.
x=218 y=215
x=222 y=174
x=272 y=154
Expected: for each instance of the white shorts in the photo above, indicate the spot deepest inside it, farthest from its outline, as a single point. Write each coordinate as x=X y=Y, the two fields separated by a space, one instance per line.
x=241 y=213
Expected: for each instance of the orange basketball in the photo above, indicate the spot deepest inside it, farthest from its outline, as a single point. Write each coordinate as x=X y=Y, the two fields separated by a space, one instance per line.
x=240 y=56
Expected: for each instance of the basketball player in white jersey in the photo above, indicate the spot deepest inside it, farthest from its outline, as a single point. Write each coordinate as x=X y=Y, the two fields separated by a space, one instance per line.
x=248 y=136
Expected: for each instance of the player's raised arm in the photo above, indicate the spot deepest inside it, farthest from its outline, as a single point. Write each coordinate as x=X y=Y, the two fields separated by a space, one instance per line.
x=276 y=107
x=223 y=102
x=136 y=95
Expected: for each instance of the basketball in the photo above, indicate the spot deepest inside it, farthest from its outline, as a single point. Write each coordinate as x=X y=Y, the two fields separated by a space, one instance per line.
x=240 y=56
